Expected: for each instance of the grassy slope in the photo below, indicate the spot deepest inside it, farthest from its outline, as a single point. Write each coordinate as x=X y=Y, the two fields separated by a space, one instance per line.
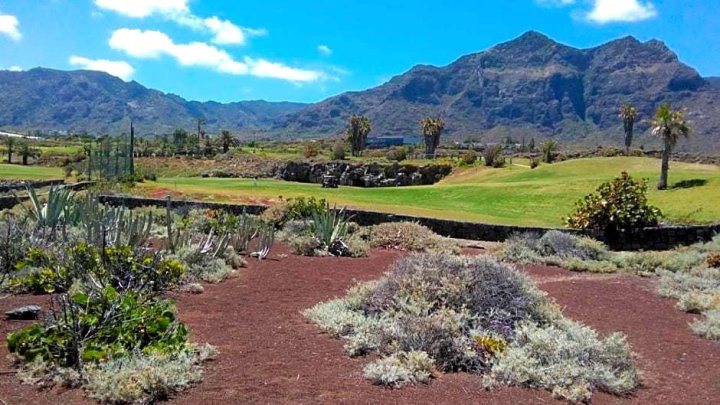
x=17 y=172
x=513 y=195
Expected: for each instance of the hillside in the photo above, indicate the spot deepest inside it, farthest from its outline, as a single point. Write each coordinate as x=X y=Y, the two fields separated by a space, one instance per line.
x=531 y=86
x=96 y=102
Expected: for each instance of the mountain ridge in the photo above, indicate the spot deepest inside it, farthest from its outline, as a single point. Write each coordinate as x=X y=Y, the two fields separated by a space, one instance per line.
x=529 y=87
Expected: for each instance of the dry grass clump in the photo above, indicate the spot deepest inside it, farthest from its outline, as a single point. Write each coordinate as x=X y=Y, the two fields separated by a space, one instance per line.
x=412 y=237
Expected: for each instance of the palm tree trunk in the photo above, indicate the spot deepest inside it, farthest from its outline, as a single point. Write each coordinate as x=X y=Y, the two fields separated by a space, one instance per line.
x=665 y=165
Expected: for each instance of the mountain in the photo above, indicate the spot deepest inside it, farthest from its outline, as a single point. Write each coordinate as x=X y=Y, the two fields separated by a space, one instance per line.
x=530 y=87
x=714 y=81
x=96 y=102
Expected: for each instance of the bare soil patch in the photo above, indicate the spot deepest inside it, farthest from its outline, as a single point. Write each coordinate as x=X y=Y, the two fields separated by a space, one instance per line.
x=270 y=354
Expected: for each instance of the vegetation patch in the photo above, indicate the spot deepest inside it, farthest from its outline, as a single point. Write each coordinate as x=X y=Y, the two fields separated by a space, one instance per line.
x=442 y=313
x=412 y=237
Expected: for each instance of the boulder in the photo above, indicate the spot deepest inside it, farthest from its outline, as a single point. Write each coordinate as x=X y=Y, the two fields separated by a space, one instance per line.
x=26 y=313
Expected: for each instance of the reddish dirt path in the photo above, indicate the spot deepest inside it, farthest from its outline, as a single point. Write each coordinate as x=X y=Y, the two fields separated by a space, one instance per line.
x=270 y=354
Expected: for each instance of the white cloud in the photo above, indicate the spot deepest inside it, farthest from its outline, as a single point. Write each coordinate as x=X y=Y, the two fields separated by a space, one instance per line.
x=119 y=69
x=224 y=32
x=15 y=68
x=145 y=8
x=555 y=3
x=325 y=50
x=10 y=26
x=608 y=11
x=154 y=44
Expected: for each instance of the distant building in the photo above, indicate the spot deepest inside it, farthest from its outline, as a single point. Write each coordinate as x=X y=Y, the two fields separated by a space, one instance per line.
x=388 y=141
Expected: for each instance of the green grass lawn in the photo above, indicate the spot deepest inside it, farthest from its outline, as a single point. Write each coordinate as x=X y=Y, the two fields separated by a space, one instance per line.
x=513 y=195
x=18 y=172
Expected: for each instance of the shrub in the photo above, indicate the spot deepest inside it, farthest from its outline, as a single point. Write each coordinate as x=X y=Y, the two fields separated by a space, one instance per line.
x=559 y=249
x=396 y=154
x=713 y=260
x=98 y=325
x=709 y=326
x=400 y=368
x=469 y=157
x=492 y=155
x=57 y=268
x=310 y=151
x=305 y=245
x=410 y=236
x=145 y=379
x=534 y=163
x=619 y=206
x=339 y=150
x=569 y=359
x=472 y=314
x=549 y=150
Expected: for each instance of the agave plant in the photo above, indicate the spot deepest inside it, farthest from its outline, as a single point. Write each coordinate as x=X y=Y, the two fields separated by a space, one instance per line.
x=329 y=225
x=60 y=201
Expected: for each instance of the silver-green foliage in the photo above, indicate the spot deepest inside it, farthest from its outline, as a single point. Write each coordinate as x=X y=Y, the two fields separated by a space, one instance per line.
x=144 y=379
x=53 y=212
x=329 y=225
x=569 y=359
x=400 y=368
x=459 y=313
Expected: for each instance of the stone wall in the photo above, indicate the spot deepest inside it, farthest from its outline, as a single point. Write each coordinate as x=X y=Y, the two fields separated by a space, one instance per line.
x=11 y=185
x=364 y=175
x=646 y=239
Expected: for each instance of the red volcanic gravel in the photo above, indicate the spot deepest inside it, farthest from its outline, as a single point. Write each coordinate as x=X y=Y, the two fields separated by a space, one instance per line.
x=269 y=354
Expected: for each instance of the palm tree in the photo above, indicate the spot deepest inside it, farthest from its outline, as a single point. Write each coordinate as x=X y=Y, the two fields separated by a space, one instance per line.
x=226 y=139
x=432 y=129
x=670 y=126
x=10 y=143
x=357 y=133
x=628 y=114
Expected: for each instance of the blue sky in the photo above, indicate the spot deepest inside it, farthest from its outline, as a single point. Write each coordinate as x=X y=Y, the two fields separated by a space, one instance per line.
x=308 y=50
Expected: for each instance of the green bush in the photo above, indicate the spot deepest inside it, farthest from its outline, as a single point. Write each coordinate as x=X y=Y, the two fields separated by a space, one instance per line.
x=95 y=326
x=339 y=150
x=469 y=158
x=396 y=154
x=618 y=206
x=559 y=249
x=56 y=269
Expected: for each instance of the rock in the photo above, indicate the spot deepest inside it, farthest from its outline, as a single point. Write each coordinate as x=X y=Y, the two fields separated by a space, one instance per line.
x=26 y=313
x=340 y=249
x=362 y=175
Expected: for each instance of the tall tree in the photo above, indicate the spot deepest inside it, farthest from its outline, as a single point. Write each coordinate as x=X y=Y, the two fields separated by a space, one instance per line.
x=227 y=140
x=669 y=126
x=200 y=129
x=432 y=128
x=179 y=138
x=358 y=133
x=26 y=151
x=10 y=144
x=628 y=114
